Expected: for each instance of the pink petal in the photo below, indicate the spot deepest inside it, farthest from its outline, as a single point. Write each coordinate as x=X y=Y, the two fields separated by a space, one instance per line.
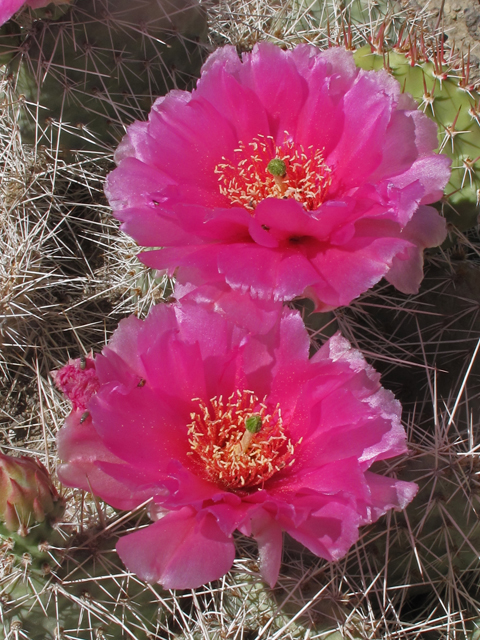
x=179 y=373
x=254 y=315
x=322 y=119
x=221 y=87
x=433 y=172
x=426 y=131
x=345 y=413
x=329 y=532
x=133 y=183
x=173 y=486
x=231 y=512
x=426 y=229
x=288 y=357
x=339 y=477
x=268 y=535
x=270 y=274
x=287 y=219
x=219 y=346
x=8 y=8
x=389 y=493
x=81 y=449
x=152 y=228
x=368 y=107
x=120 y=360
x=354 y=267
x=397 y=159
x=142 y=427
x=183 y=550
x=272 y=76
x=192 y=260
x=194 y=135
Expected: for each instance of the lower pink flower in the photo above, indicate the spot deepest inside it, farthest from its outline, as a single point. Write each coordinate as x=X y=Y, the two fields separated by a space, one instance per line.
x=227 y=430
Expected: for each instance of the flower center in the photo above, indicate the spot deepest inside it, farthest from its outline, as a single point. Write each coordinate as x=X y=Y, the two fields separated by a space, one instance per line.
x=262 y=169
x=237 y=443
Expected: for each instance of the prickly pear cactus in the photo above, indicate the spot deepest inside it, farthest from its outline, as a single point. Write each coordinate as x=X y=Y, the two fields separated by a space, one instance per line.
x=412 y=575
x=346 y=19
x=320 y=22
x=58 y=580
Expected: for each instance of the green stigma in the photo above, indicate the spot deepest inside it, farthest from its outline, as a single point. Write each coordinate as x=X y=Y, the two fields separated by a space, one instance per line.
x=277 y=167
x=253 y=424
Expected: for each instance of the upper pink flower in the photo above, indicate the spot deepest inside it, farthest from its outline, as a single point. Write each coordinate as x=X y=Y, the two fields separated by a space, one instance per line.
x=227 y=430
x=284 y=173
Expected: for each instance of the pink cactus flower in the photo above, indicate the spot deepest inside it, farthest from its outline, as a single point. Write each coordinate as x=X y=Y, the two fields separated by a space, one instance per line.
x=9 y=7
x=285 y=173
x=226 y=430
x=78 y=380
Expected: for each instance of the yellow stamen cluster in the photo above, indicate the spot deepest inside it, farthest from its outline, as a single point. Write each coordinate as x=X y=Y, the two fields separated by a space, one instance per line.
x=247 y=180
x=226 y=453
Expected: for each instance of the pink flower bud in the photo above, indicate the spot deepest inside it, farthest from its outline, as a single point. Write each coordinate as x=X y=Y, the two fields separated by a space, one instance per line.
x=78 y=380
x=27 y=495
